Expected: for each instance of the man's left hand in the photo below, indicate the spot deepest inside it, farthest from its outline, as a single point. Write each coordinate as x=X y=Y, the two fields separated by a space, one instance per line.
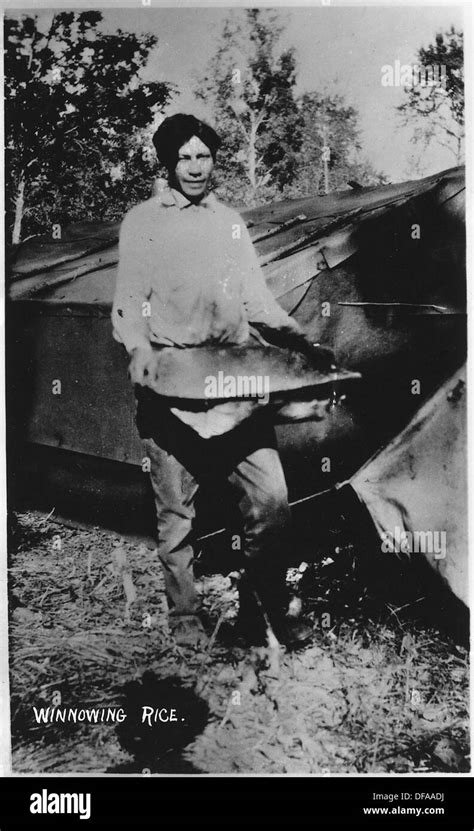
x=321 y=357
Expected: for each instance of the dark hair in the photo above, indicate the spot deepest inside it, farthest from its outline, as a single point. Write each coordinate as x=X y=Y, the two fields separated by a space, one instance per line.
x=175 y=131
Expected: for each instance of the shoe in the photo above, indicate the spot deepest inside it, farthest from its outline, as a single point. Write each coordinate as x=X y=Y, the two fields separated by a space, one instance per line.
x=289 y=632
x=293 y=633
x=187 y=630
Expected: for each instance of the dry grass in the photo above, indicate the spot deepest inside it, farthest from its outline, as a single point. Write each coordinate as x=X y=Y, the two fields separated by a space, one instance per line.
x=376 y=691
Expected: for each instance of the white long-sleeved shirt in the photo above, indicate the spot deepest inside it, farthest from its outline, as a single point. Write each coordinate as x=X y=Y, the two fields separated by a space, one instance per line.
x=196 y=267
x=188 y=275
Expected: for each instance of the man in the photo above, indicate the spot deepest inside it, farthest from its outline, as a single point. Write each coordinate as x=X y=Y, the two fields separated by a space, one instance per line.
x=188 y=276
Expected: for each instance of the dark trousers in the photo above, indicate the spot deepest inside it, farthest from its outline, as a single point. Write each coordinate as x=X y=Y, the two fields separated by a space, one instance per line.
x=248 y=458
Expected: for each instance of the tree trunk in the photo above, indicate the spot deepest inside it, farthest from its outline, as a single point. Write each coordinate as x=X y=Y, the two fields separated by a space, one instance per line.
x=19 y=207
x=252 y=162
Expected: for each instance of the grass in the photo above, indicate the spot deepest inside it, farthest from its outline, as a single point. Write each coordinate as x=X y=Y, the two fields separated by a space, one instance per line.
x=380 y=689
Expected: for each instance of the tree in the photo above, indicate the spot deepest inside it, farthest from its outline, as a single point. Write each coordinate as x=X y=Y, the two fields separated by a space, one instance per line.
x=250 y=86
x=74 y=105
x=329 y=156
x=438 y=106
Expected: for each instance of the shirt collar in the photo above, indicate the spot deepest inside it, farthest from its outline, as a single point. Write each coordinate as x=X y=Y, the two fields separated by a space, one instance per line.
x=169 y=197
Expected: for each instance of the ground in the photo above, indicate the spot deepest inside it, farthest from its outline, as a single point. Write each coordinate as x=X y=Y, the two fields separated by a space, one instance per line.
x=377 y=690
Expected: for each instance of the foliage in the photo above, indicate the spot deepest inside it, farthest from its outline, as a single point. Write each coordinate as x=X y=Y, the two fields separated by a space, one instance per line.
x=273 y=140
x=74 y=106
x=329 y=123
x=250 y=85
x=438 y=109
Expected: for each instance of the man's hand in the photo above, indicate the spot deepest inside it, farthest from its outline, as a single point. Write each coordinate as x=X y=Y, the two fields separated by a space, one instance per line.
x=321 y=357
x=137 y=369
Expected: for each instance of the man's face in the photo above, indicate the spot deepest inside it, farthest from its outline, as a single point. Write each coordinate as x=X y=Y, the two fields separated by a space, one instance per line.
x=194 y=168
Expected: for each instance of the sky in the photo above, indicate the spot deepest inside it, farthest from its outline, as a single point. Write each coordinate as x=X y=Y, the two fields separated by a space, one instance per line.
x=339 y=48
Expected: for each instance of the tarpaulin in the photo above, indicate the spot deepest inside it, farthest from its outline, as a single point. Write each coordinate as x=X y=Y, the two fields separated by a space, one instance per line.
x=415 y=489
x=377 y=275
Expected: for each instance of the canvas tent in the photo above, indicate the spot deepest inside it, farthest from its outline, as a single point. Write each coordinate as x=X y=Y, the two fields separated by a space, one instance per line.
x=377 y=274
x=415 y=488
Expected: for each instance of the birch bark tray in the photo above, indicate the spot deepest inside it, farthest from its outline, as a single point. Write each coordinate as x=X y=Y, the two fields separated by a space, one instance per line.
x=239 y=372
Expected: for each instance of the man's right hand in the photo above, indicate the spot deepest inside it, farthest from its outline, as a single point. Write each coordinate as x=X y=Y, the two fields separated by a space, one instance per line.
x=137 y=369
